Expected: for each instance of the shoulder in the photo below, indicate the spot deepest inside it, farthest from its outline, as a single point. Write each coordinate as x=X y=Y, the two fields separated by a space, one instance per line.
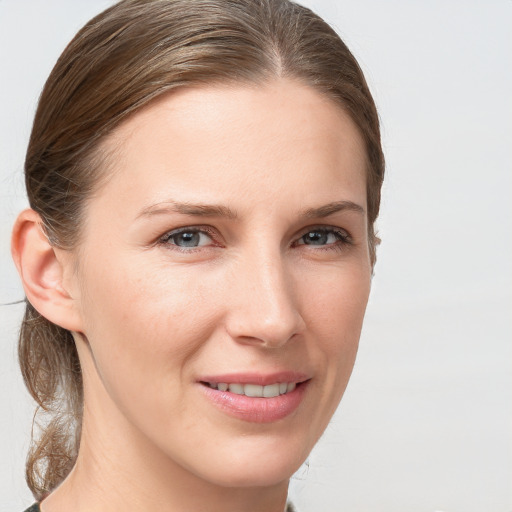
x=33 y=508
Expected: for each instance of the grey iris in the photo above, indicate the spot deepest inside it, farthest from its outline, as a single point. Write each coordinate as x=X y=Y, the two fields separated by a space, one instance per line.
x=187 y=239
x=315 y=238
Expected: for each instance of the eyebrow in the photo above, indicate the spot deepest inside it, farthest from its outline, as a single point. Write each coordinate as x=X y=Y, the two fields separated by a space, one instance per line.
x=332 y=208
x=215 y=210
x=200 y=210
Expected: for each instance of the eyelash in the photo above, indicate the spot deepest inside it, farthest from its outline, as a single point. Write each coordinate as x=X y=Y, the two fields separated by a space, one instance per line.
x=343 y=239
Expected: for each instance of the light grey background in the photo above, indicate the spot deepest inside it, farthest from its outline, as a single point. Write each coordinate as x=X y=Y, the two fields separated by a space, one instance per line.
x=425 y=424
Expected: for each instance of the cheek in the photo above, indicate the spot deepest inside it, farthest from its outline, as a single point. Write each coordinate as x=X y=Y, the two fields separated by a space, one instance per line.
x=335 y=306
x=335 y=302
x=143 y=328
x=145 y=321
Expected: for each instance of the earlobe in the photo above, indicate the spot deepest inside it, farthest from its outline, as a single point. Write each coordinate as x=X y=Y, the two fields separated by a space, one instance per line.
x=43 y=269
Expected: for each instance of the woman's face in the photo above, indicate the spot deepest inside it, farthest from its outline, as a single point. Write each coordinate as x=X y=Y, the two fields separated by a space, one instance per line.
x=225 y=258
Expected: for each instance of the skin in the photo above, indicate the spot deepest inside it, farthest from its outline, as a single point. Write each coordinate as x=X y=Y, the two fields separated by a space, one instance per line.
x=150 y=317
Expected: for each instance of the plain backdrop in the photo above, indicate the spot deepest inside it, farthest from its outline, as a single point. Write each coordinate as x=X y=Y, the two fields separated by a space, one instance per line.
x=425 y=424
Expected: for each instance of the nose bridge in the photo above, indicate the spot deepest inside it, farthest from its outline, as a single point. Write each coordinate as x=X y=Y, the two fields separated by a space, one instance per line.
x=265 y=307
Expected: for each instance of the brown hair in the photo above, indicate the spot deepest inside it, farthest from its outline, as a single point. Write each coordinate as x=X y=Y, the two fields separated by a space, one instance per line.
x=118 y=62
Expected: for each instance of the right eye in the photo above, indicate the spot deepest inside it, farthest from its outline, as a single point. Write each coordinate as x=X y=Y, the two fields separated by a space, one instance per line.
x=187 y=238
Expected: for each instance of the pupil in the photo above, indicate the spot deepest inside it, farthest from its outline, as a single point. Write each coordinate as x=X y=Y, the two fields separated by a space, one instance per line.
x=316 y=238
x=188 y=239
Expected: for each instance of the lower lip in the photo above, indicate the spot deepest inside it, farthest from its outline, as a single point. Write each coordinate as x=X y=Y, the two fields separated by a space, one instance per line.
x=255 y=409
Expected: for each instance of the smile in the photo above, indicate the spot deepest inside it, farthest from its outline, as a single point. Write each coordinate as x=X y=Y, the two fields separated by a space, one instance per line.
x=256 y=399
x=255 y=390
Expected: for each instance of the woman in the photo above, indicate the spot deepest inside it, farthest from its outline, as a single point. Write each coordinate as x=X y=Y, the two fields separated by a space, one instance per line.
x=204 y=177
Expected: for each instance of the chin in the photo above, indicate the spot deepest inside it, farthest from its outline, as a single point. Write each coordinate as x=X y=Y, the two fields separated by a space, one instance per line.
x=255 y=474
x=263 y=467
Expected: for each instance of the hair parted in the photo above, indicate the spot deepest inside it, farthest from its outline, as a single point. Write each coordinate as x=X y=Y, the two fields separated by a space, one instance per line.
x=118 y=62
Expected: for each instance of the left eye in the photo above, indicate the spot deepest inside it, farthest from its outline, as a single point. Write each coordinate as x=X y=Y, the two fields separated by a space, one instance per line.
x=189 y=238
x=321 y=237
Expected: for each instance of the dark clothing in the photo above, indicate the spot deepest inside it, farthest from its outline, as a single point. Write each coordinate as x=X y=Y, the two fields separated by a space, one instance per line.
x=35 y=508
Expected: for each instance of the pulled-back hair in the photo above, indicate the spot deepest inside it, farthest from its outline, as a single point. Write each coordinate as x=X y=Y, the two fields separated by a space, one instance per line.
x=118 y=62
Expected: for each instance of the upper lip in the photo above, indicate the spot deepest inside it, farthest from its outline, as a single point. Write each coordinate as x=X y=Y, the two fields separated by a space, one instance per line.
x=256 y=378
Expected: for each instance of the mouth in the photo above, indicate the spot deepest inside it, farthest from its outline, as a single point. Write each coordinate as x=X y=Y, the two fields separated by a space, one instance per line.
x=256 y=399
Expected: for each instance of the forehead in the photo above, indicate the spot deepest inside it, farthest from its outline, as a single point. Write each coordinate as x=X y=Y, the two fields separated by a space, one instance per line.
x=236 y=141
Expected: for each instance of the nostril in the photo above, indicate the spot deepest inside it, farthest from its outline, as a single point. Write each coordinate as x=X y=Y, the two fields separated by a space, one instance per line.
x=272 y=339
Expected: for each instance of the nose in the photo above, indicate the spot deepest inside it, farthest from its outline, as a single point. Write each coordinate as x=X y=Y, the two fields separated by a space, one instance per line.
x=264 y=304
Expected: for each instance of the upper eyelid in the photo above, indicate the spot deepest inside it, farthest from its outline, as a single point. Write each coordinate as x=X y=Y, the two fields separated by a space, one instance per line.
x=322 y=227
x=199 y=229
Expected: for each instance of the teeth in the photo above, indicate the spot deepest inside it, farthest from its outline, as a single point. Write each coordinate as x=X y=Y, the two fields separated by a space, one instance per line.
x=255 y=390
x=238 y=389
x=271 y=390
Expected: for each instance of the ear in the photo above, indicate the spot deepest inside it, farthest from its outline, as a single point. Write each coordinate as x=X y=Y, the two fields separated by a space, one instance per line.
x=46 y=272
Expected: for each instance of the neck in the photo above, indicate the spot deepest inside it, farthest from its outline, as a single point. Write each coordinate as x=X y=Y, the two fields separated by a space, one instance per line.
x=117 y=471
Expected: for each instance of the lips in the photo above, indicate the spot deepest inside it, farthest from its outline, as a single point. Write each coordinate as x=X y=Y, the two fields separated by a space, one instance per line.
x=256 y=398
